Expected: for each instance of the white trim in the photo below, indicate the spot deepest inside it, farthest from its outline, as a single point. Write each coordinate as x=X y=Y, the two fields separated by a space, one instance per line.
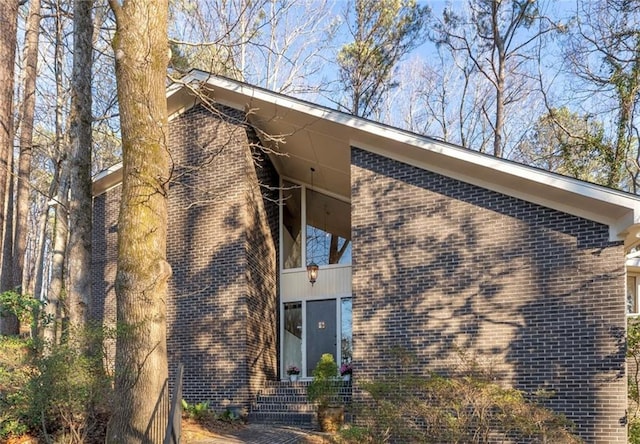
x=618 y=227
x=317 y=189
x=107 y=179
x=618 y=210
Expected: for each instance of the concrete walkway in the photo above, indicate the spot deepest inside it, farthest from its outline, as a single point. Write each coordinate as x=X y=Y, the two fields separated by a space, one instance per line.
x=263 y=434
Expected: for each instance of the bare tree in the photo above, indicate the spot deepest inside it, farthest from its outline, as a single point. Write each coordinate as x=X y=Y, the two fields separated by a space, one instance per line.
x=280 y=45
x=80 y=202
x=495 y=37
x=603 y=53
x=57 y=286
x=440 y=97
x=30 y=72
x=383 y=32
x=141 y=52
x=8 y=24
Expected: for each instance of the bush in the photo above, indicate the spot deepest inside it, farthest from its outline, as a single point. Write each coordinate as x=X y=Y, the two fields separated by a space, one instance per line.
x=62 y=395
x=198 y=412
x=325 y=386
x=633 y=394
x=15 y=374
x=461 y=408
x=23 y=306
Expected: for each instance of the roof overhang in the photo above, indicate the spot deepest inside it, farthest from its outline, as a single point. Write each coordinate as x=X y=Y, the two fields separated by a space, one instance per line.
x=314 y=136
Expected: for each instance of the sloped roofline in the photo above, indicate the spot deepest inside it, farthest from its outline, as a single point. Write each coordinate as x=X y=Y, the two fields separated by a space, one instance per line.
x=617 y=209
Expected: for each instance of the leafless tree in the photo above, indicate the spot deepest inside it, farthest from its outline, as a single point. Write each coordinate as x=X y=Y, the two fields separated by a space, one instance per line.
x=8 y=24
x=495 y=38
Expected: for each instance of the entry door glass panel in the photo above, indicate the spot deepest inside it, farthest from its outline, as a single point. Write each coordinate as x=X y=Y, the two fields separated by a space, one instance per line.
x=346 y=339
x=321 y=331
x=292 y=335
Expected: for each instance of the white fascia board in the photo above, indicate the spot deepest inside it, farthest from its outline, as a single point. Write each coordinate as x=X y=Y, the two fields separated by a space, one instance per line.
x=106 y=179
x=376 y=138
x=621 y=226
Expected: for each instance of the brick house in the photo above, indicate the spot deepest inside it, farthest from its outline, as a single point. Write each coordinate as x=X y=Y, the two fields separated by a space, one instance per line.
x=423 y=247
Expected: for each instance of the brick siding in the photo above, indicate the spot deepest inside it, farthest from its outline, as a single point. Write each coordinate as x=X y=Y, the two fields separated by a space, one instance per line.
x=535 y=293
x=104 y=252
x=223 y=256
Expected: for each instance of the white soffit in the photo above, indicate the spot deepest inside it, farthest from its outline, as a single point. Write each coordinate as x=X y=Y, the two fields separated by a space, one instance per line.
x=273 y=111
x=106 y=179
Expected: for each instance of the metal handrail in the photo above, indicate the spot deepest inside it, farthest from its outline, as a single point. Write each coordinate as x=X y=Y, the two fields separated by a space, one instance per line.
x=174 y=424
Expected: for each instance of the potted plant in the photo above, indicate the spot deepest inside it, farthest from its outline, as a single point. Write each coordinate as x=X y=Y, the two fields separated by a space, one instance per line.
x=293 y=372
x=346 y=370
x=324 y=391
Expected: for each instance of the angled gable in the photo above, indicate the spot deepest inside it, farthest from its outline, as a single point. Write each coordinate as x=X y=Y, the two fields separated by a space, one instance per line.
x=312 y=135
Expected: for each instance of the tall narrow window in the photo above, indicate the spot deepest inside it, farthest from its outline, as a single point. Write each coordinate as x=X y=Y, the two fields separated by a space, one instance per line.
x=328 y=229
x=346 y=333
x=632 y=295
x=292 y=340
x=291 y=225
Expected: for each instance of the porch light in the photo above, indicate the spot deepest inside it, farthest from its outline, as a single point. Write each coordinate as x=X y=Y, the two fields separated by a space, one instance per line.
x=312 y=272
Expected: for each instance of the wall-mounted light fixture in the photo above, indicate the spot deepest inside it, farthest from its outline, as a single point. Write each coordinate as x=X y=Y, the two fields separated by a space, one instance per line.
x=312 y=272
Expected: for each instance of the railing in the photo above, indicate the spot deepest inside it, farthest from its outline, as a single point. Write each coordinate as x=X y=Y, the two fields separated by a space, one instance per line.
x=174 y=424
x=154 y=432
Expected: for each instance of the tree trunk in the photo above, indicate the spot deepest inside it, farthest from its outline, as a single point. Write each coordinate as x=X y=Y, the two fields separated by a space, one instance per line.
x=60 y=237
x=80 y=204
x=60 y=230
x=141 y=52
x=26 y=138
x=8 y=24
x=9 y=322
x=500 y=79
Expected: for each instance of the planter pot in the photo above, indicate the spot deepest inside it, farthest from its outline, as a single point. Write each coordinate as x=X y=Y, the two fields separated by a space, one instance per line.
x=330 y=418
x=293 y=378
x=346 y=377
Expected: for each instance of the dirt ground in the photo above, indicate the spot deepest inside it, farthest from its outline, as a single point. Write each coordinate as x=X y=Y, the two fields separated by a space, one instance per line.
x=197 y=432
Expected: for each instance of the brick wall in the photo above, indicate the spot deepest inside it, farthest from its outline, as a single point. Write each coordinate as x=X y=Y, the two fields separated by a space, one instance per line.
x=103 y=263
x=533 y=292
x=223 y=256
x=260 y=244
x=219 y=232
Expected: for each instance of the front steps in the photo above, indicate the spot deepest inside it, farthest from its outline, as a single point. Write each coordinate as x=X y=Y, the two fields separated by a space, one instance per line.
x=285 y=403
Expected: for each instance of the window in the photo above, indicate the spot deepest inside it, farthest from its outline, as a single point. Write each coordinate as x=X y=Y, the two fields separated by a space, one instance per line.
x=632 y=294
x=292 y=340
x=328 y=230
x=326 y=236
x=291 y=225
x=346 y=333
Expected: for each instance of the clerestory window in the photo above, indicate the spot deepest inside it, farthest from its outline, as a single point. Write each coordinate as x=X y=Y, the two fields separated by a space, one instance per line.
x=327 y=234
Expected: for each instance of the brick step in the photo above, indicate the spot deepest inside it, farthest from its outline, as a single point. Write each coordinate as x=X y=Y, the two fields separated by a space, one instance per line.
x=284 y=408
x=284 y=391
x=285 y=403
x=282 y=399
x=298 y=388
x=302 y=420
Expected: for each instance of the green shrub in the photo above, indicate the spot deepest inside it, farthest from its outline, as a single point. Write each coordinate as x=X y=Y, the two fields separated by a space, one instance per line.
x=23 y=306
x=359 y=435
x=325 y=386
x=62 y=395
x=633 y=394
x=198 y=412
x=15 y=374
x=466 y=407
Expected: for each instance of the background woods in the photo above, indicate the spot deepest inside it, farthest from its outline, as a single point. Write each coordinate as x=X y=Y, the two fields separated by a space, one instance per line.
x=550 y=84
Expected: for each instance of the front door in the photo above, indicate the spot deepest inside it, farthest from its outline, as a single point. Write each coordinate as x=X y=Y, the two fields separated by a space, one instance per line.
x=321 y=331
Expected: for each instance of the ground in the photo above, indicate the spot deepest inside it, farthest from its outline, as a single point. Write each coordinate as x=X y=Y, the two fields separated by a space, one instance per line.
x=215 y=431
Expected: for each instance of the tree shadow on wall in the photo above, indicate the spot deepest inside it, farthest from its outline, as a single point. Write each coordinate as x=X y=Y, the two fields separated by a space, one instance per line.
x=520 y=286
